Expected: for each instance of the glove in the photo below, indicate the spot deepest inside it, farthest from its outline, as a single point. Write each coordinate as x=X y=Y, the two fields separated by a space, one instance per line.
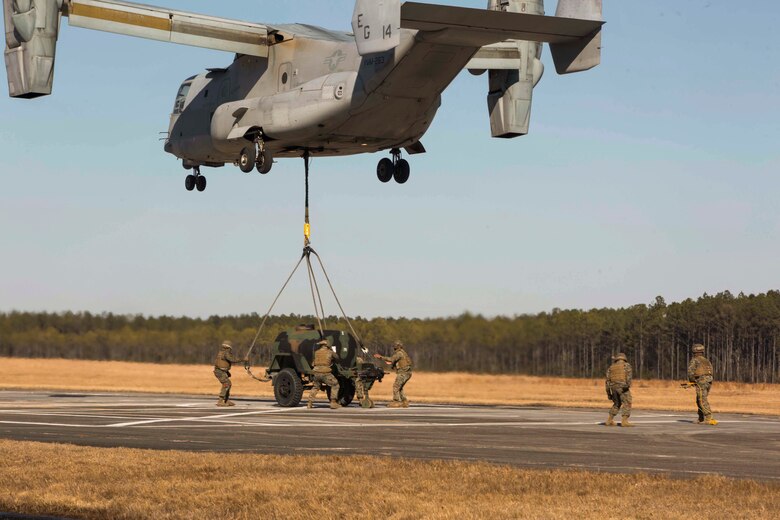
x=377 y=356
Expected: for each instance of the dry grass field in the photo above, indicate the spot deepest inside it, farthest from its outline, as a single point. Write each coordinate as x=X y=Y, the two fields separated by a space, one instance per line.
x=58 y=374
x=99 y=483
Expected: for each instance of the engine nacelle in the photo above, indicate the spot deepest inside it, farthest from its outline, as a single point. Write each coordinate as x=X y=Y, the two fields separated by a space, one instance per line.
x=31 y=30
x=514 y=69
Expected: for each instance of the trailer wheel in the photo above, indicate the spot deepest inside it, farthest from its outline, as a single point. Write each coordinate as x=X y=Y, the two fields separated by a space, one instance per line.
x=346 y=392
x=288 y=388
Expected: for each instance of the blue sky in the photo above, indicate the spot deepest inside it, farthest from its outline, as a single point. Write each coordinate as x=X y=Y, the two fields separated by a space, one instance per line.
x=656 y=173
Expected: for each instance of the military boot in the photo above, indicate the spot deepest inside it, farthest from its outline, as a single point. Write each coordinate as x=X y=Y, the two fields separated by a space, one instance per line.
x=625 y=423
x=334 y=405
x=405 y=403
x=610 y=421
x=230 y=403
x=394 y=404
x=711 y=422
x=222 y=402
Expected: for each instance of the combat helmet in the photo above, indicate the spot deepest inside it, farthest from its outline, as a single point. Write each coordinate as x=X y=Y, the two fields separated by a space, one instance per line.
x=620 y=355
x=698 y=348
x=397 y=344
x=227 y=345
x=322 y=343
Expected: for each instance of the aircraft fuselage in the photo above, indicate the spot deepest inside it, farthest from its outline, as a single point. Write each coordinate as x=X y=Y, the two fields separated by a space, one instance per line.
x=314 y=92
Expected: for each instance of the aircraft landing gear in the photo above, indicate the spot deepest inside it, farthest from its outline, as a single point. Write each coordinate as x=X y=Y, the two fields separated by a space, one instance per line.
x=256 y=156
x=247 y=159
x=396 y=168
x=195 y=181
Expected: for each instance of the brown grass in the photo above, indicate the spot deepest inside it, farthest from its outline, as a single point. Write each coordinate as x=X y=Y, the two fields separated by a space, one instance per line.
x=79 y=482
x=58 y=374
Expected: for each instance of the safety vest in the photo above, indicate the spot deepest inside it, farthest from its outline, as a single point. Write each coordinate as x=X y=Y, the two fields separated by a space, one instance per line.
x=617 y=373
x=323 y=359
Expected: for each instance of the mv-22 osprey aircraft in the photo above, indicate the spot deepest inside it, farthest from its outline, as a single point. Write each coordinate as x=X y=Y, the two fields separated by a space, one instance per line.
x=295 y=90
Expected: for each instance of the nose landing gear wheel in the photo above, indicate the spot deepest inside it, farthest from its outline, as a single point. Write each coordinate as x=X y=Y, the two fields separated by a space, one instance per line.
x=385 y=170
x=189 y=182
x=402 y=171
x=247 y=159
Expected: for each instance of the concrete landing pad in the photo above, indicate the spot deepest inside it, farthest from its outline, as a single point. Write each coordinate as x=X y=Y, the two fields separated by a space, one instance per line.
x=742 y=446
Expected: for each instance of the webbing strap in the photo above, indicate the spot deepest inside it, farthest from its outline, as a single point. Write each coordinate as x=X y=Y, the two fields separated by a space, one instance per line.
x=316 y=296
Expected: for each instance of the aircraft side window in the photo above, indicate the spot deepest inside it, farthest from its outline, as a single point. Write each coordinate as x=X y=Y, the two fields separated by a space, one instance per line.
x=181 y=98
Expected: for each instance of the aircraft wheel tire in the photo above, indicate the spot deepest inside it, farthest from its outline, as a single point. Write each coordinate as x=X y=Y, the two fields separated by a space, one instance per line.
x=247 y=159
x=385 y=170
x=189 y=182
x=200 y=183
x=265 y=162
x=402 y=171
x=288 y=388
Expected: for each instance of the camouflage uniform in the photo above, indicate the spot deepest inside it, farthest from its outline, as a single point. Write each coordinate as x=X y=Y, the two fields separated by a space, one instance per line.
x=361 y=392
x=700 y=373
x=618 y=386
x=402 y=364
x=222 y=365
x=323 y=375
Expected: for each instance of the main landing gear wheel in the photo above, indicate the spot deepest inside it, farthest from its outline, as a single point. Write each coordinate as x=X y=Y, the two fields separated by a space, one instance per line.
x=402 y=171
x=395 y=168
x=265 y=162
x=195 y=180
x=247 y=159
x=385 y=170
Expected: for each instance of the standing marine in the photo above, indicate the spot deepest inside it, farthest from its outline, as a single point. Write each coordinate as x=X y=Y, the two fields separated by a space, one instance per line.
x=222 y=365
x=618 y=385
x=323 y=374
x=402 y=364
x=361 y=391
x=700 y=375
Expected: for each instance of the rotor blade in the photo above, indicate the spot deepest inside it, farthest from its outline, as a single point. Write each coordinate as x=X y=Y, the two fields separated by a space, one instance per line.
x=157 y=23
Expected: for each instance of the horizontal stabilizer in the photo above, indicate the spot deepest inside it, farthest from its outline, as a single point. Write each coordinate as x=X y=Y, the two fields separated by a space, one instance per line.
x=163 y=24
x=479 y=27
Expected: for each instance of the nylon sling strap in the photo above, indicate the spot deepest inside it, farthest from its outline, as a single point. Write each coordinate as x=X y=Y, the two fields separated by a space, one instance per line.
x=316 y=296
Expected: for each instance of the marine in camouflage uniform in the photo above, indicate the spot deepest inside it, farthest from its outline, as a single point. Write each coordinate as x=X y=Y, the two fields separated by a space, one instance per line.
x=402 y=364
x=618 y=385
x=222 y=364
x=361 y=392
x=700 y=374
x=323 y=374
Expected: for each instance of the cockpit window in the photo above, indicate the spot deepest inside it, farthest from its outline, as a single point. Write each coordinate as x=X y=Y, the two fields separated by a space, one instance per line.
x=181 y=97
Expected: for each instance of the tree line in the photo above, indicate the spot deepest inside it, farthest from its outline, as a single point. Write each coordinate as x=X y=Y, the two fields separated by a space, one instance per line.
x=740 y=333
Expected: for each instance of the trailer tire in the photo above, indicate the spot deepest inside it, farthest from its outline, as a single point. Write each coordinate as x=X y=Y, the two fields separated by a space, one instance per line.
x=346 y=392
x=288 y=388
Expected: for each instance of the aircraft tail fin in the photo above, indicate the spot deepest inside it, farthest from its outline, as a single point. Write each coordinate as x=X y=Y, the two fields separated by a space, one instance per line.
x=31 y=29
x=376 y=25
x=582 y=54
